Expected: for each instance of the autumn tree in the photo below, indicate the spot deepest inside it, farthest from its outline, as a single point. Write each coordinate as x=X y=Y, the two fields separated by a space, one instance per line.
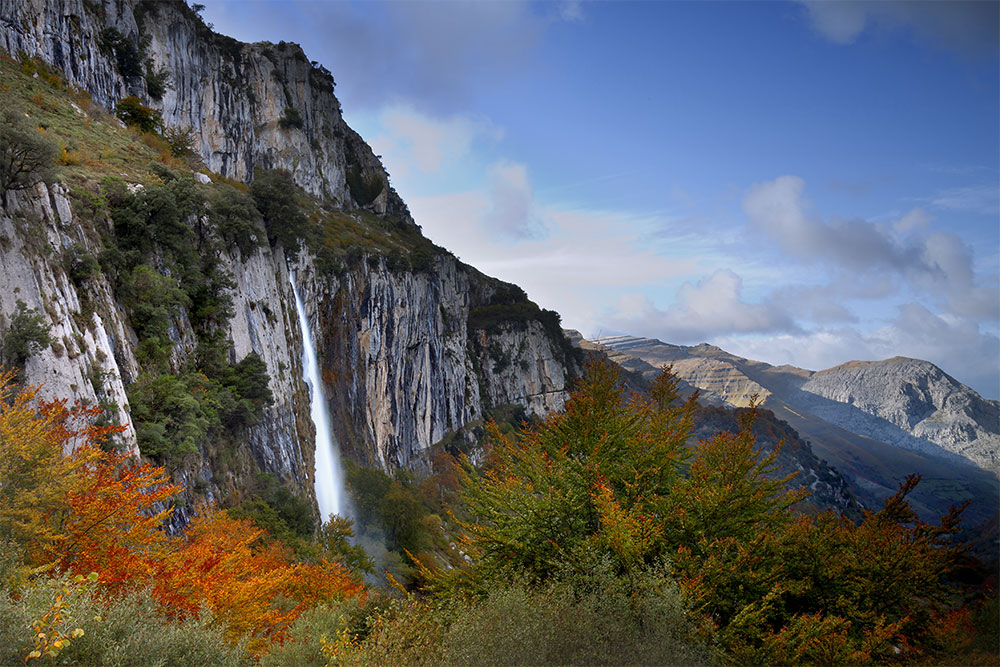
x=615 y=480
x=75 y=506
x=613 y=477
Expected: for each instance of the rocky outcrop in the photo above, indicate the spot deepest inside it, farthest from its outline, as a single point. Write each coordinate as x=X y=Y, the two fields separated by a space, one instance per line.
x=248 y=105
x=402 y=366
x=909 y=403
x=91 y=355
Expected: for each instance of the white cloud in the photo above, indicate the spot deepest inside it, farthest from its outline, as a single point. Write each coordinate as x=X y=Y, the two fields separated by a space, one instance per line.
x=983 y=199
x=413 y=141
x=701 y=310
x=961 y=25
x=916 y=219
x=779 y=209
x=938 y=263
x=512 y=209
x=584 y=260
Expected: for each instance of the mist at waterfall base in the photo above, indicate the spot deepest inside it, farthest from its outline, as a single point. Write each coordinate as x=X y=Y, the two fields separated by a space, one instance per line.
x=331 y=495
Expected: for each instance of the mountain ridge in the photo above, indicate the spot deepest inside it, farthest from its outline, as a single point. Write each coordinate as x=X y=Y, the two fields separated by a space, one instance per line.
x=875 y=448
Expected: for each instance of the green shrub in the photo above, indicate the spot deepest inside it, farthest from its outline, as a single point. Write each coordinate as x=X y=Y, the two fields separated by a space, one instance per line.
x=236 y=218
x=173 y=415
x=156 y=80
x=181 y=139
x=156 y=299
x=26 y=157
x=591 y=618
x=80 y=264
x=128 y=631
x=292 y=118
x=127 y=56
x=274 y=193
x=134 y=113
x=364 y=188
x=26 y=334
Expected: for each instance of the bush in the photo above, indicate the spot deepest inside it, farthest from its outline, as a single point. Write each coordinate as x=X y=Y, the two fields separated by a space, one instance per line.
x=589 y=619
x=80 y=264
x=236 y=218
x=127 y=631
x=181 y=140
x=27 y=333
x=26 y=157
x=156 y=80
x=292 y=118
x=127 y=55
x=274 y=193
x=364 y=188
x=173 y=415
x=134 y=113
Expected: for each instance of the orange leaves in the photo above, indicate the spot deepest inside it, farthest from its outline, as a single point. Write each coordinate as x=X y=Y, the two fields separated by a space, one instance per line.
x=629 y=534
x=35 y=477
x=113 y=526
x=103 y=512
x=257 y=589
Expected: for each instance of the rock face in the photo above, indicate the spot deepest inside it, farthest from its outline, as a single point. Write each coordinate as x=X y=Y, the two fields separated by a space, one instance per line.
x=403 y=367
x=908 y=403
x=248 y=105
x=90 y=356
x=403 y=361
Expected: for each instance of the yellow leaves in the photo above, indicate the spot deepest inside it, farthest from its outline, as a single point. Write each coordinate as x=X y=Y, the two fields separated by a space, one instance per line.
x=626 y=532
x=49 y=637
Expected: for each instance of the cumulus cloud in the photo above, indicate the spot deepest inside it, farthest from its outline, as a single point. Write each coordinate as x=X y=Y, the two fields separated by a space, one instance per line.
x=702 y=310
x=916 y=219
x=938 y=262
x=779 y=209
x=967 y=26
x=417 y=141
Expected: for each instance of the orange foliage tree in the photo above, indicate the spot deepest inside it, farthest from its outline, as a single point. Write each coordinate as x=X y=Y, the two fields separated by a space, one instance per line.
x=99 y=511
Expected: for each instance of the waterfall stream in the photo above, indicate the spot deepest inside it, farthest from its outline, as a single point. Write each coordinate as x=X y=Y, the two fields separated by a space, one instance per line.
x=329 y=477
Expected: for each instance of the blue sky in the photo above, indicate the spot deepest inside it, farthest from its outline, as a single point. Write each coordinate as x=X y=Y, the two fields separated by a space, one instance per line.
x=804 y=183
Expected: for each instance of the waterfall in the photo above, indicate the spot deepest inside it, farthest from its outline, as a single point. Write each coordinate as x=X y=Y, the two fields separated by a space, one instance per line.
x=329 y=478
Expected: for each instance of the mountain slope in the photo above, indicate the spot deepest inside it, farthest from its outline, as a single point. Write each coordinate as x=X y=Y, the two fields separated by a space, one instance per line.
x=875 y=421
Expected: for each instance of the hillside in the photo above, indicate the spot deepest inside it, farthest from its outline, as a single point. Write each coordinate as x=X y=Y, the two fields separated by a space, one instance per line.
x=875 y=421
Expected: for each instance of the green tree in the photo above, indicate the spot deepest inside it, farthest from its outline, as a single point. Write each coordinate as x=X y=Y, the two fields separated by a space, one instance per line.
x=593 y=483
x=274 y=193
x=26 y=157
x=27 y=333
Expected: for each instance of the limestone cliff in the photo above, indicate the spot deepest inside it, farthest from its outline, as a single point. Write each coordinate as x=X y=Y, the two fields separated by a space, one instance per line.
x=407 y=353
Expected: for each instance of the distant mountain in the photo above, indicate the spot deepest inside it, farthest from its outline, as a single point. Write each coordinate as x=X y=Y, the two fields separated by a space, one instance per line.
x=829 y=489
x=874 y=421
x=909 y=403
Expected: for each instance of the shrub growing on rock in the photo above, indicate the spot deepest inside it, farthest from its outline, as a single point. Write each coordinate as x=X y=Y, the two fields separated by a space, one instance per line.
x=26 y=157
